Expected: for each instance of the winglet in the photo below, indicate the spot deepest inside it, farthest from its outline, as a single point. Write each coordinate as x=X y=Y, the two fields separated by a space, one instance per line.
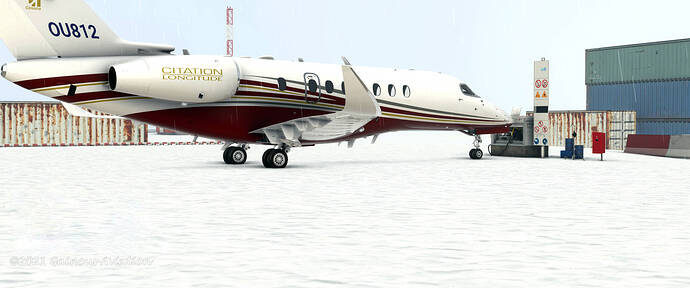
x=359 y=99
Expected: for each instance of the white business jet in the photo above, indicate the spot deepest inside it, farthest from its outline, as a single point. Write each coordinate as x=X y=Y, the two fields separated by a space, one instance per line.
x=65 y=51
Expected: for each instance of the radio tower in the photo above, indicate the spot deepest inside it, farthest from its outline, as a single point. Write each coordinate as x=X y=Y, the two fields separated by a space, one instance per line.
x=229 y=34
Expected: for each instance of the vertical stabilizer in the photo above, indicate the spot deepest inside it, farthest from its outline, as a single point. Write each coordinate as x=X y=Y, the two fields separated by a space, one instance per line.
x=65 y=28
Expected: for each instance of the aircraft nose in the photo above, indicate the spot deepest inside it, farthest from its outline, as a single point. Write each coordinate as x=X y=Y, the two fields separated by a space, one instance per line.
x=503 y=115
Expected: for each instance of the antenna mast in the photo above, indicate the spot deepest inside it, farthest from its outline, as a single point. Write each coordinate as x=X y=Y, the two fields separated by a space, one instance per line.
x=230 y=41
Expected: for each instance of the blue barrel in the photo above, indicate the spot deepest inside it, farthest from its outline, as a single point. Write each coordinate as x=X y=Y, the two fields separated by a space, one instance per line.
x=566 y=154
x=579 y=151
x=569 y=144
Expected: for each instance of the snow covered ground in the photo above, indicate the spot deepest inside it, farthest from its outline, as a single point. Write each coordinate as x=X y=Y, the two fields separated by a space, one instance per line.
x=411 y=211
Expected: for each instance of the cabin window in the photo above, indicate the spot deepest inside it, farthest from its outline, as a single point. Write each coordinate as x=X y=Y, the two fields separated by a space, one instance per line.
x=377 y=90
x=342 y=86
x=313 y=86
x=391 y=90
x=329 y=86
x=282 y=84
x=467 y=91
x=406 y=91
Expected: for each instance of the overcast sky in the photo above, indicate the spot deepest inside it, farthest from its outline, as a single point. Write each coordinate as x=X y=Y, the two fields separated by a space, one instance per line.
x=491 y=45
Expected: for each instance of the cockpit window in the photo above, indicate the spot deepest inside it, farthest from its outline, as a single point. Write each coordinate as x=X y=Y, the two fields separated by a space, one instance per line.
x=467 y=91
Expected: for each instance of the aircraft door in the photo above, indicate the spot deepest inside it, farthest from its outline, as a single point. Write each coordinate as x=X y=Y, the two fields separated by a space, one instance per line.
x=312 y=88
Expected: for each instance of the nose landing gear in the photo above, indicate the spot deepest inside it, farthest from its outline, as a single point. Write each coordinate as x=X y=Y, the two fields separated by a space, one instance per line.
x=477 y=153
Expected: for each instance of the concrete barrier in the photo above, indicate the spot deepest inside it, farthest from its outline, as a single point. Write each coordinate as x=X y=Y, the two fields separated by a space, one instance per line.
x=676 y=146
x=656 y=145
x=679 y=146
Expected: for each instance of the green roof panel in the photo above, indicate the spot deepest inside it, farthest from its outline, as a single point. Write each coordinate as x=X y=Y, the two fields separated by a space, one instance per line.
x=658 y=61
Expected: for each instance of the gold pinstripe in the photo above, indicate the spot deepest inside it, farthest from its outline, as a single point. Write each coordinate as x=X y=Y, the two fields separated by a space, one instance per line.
x=394 y=115
x=278 y=91
x=384 y=113
x=67 y=86
x=271 y=89
x=112 y=100
x=286 y=100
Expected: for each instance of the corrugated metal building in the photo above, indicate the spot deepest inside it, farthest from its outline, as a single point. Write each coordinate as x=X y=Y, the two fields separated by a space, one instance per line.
x=651 y=78
x=49 y=124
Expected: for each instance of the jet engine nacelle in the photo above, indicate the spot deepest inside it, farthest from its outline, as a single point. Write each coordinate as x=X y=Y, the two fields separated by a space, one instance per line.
x=188 y=79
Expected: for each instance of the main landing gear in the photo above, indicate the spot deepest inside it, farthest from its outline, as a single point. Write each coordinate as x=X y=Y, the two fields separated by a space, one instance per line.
x=477 y=153
x=235 y=155
x=276 y=157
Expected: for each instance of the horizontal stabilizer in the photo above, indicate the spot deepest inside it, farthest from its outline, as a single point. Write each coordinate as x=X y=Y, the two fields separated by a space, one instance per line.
x=79 y=112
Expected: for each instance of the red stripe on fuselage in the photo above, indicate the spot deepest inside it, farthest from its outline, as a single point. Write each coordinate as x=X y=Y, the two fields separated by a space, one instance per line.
x=92 y=96
x=341 y=101
x=284 y=96
x=288 y=88
x=63 y=80
x=405 y=112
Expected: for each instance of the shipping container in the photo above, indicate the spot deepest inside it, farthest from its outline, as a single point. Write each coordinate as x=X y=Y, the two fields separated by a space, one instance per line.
x=49 y=124
x=657 y=61
x=651 y=100
x=616 y=124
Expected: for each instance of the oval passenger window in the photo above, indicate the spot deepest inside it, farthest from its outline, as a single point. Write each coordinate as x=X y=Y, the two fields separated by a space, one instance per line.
x=377 y=90
x=329 y=86
x=391 y=90
x=406 y=91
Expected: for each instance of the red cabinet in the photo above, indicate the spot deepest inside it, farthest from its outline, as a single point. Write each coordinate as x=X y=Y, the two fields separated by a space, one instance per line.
x=598 y=143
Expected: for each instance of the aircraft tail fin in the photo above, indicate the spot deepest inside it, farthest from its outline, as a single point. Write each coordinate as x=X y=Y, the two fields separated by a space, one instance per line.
x=65 y=28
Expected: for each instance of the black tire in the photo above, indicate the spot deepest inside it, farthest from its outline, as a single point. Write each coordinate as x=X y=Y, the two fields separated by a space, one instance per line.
x=478 y=154
x=264 y=158
x=235 y=156
x=238 y=156
x=226 y=156
x=277 y=158
x=472 y=154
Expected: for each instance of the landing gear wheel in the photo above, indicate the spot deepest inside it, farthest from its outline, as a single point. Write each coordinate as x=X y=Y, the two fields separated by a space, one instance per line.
x=275 y=158
x=476 y=154
x=235 y=155
x=264 y=158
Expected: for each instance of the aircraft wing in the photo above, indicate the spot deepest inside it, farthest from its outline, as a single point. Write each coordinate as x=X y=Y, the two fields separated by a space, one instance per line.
x=360 y=108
